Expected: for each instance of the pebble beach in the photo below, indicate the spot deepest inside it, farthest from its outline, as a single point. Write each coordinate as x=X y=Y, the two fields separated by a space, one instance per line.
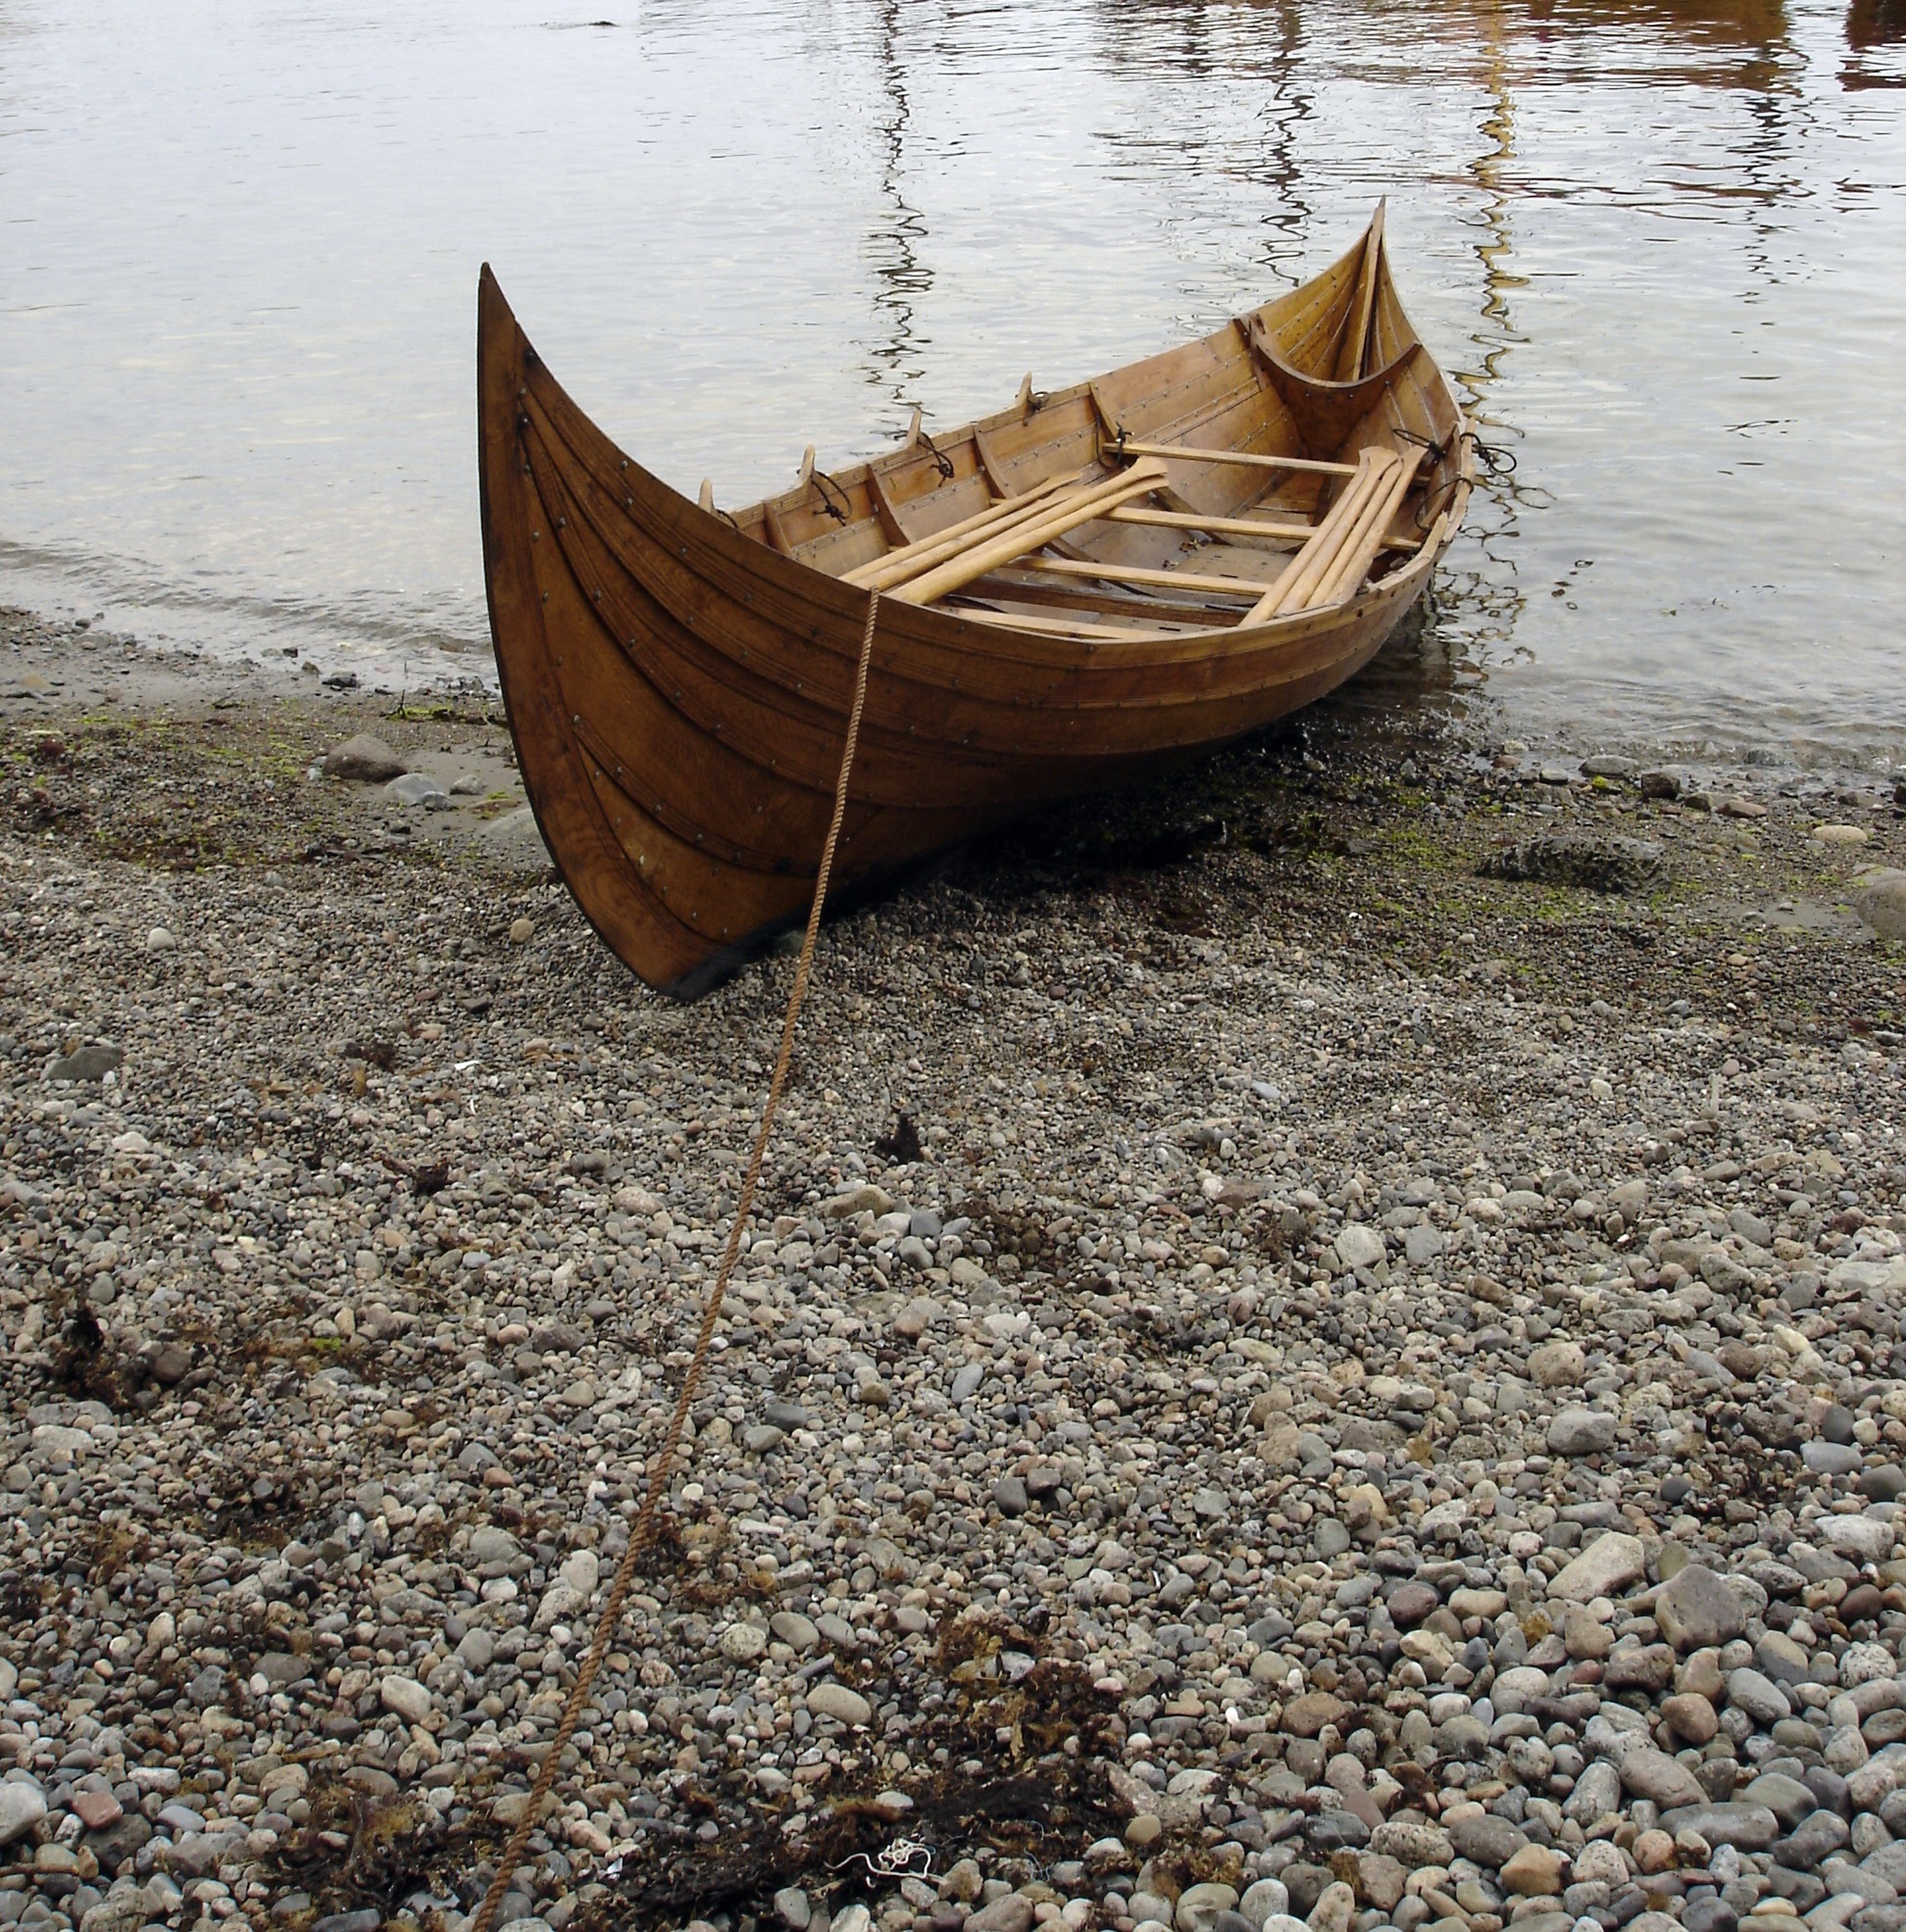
x=1321 y=1347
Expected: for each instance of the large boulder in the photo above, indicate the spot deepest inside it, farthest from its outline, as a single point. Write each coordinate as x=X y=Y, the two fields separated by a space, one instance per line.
x=1601 y=862
x=1879 y=899
x=365 y=759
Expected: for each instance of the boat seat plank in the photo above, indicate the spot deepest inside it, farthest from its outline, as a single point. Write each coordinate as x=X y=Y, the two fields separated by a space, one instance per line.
x=1275 y=529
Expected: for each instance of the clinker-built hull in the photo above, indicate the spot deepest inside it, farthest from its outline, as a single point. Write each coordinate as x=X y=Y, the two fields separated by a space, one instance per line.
x=1206 y=540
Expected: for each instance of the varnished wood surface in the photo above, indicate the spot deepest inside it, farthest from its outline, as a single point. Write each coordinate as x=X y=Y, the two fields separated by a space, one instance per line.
x=678 y=678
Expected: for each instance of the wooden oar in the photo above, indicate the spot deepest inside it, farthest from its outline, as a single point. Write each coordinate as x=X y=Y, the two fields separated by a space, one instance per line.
x=988 y=552
x=1371 y=516
x=1244 y=459
x=925 y=551
x=1324 y=555
x=1301 y=576
x=1361 y=546
x=956 y=542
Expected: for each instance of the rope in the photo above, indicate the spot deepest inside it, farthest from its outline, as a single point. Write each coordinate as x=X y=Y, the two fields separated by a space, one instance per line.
x=942 y=460
x=824 y=482
x=642 y=1534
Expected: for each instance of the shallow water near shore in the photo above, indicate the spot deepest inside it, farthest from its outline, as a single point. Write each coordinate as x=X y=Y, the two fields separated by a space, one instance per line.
x=1657 y=247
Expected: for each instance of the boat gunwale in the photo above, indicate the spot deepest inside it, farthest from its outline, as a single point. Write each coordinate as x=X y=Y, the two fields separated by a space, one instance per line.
x=846 y=604
x=722 y=534
x=1164 y=652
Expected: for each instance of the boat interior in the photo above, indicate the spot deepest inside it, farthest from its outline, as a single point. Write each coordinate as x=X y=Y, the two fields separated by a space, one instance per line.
x=1277 y=467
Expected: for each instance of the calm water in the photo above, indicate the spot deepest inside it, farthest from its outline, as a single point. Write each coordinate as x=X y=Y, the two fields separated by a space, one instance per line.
x=1663 y=247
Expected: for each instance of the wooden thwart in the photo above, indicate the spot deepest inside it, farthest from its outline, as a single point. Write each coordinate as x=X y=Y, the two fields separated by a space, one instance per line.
x=1069 y=627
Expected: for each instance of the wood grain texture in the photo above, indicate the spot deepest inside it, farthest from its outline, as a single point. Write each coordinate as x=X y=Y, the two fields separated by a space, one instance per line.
x=678 y=678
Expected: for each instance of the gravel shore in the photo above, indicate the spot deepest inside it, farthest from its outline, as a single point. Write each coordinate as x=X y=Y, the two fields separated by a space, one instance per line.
x=1296 y=1364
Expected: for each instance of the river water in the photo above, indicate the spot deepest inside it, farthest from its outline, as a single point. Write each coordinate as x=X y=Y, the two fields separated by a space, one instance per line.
x=1662 y=248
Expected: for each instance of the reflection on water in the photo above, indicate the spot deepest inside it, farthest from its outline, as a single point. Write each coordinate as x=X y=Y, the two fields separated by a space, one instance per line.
x=901 y=276
x=1875 y=23
x=1653 y=240
x=1486 y=611
x=1873 y=28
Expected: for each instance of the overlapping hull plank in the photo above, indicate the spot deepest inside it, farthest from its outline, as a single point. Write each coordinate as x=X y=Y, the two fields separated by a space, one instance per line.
x=678 y=680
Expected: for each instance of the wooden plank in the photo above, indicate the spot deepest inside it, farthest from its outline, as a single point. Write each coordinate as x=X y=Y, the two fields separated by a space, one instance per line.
x=1167 y=393
x=1062 y=566
x=1244 y=458
x=988 y=549
x=1061 y=437
x=1027 y=582
x=926 y=498
x=1064 y=627
x=1187 y=520
x=1306 y=324
x=1196 y=520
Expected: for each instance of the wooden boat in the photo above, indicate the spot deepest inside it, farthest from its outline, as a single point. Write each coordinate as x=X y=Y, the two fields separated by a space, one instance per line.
x=1085 y=584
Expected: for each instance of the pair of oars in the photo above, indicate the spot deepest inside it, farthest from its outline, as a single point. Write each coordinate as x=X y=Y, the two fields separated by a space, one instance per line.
x=963 y=552
x=1335 y=559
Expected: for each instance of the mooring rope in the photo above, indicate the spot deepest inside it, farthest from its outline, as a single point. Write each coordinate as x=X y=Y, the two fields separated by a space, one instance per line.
x=643 y=1533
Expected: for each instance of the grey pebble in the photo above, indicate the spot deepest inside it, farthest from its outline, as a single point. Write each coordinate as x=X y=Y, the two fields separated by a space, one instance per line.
x=1319 y=1447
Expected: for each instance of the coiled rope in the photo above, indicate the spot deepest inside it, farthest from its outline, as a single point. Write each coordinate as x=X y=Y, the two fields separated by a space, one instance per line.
x=643 y=1533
